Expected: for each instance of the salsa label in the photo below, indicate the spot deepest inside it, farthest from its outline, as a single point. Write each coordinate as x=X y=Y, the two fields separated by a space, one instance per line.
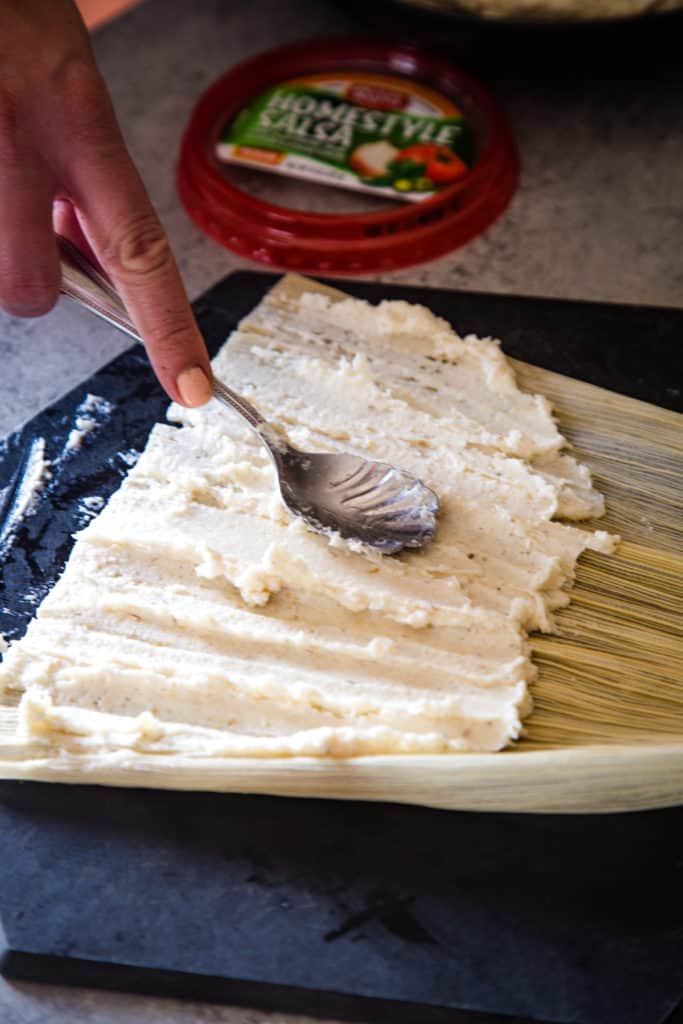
x=374 y=133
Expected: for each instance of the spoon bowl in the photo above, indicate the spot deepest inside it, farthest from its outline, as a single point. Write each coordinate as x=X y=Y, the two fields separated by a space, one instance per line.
x=360 y=499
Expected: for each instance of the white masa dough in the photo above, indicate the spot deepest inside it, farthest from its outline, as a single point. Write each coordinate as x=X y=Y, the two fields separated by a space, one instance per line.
x=196 y=617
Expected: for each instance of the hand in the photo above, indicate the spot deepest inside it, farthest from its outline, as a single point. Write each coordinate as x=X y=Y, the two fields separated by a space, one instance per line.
x=64 y=166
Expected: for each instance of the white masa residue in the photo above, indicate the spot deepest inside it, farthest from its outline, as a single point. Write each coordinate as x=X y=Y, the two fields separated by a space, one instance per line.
x=91 y=413
x=35 y=473
x=195 y=617
x=129 y=457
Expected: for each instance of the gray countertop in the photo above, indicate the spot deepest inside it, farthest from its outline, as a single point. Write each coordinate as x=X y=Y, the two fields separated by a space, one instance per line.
x=599 y=215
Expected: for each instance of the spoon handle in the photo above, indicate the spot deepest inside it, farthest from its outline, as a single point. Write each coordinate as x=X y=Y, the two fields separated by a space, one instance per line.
x=229 y=397
x=90 y=288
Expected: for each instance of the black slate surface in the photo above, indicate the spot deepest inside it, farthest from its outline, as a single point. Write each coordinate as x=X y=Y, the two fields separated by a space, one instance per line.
x=378 y=912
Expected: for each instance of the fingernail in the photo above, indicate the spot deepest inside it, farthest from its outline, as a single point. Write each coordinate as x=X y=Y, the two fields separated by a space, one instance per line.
x=194 y=386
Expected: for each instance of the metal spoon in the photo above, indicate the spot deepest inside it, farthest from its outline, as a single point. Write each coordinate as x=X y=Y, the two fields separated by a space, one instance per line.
x=372 y=502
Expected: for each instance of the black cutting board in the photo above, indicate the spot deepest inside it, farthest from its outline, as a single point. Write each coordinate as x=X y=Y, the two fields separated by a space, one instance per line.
x=367 y=911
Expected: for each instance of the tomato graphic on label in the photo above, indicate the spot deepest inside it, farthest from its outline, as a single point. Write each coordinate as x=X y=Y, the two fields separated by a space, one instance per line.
x=420 y=152
x=445 y=167
x=441 y=164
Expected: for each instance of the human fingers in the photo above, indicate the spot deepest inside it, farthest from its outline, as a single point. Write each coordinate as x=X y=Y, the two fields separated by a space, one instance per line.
x=29 y=266
x=121 y=226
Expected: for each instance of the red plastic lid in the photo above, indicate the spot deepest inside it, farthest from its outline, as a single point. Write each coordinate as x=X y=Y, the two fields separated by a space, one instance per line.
x=349 y=243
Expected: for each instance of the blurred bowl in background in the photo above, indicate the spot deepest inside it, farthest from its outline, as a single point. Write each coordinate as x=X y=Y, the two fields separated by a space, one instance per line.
x=546 y=11
x=635 y=47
